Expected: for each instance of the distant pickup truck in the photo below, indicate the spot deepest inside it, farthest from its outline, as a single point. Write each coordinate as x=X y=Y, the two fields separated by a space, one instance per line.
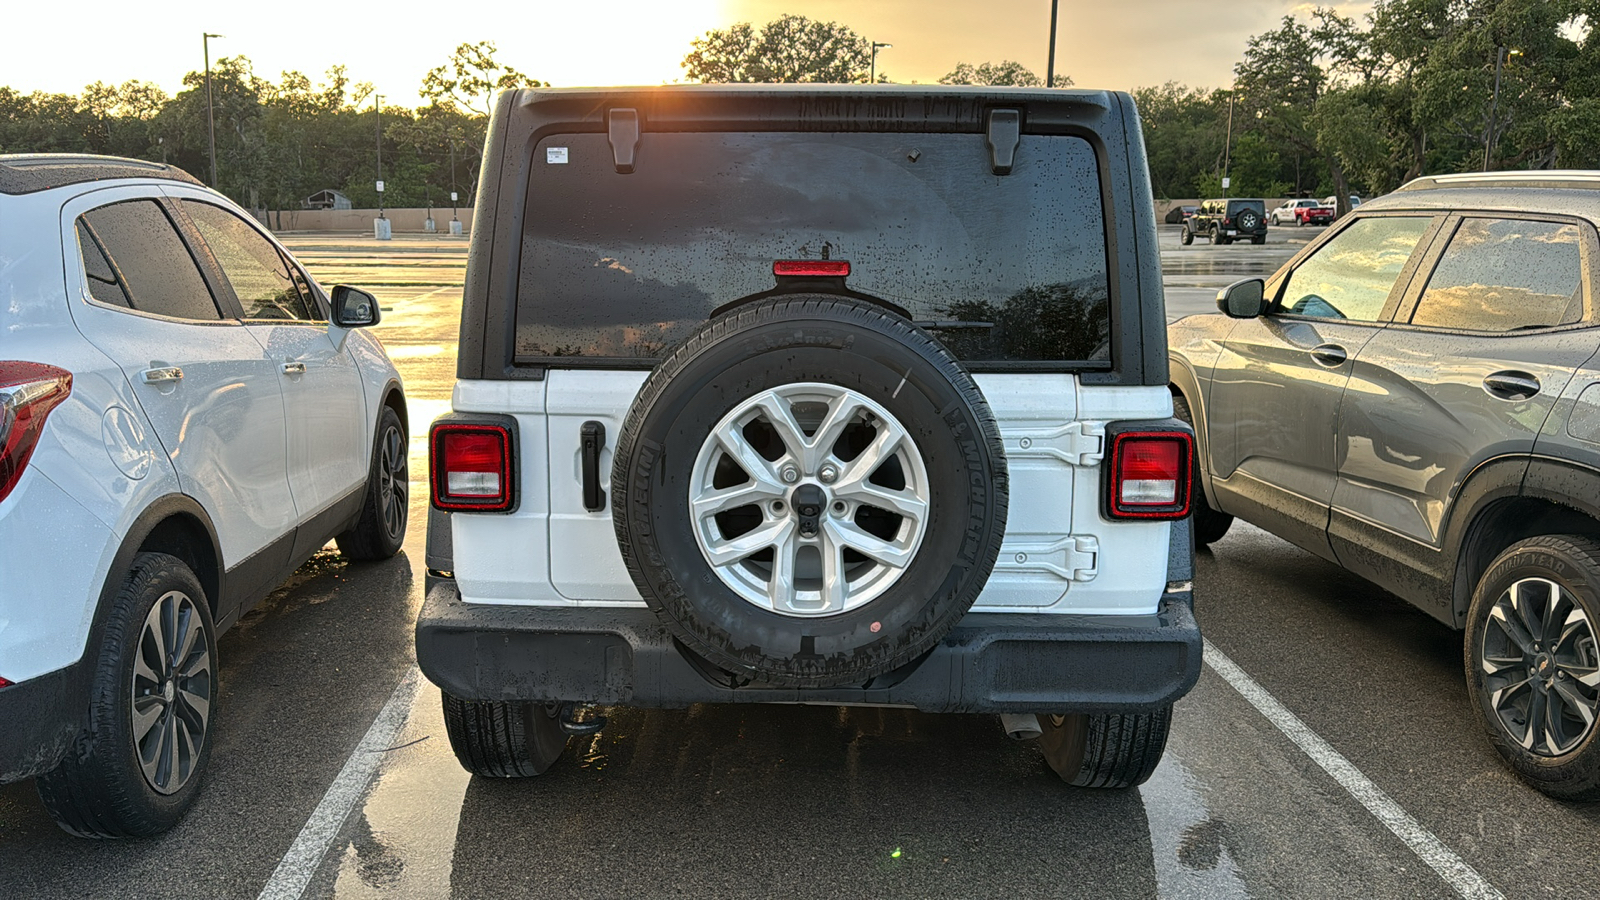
x=1303 y=212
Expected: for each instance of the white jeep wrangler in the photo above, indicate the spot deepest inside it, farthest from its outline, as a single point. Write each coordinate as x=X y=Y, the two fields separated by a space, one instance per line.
x=813 y=395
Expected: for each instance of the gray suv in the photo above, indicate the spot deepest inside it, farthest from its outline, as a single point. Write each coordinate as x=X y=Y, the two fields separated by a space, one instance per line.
x=1416 y=397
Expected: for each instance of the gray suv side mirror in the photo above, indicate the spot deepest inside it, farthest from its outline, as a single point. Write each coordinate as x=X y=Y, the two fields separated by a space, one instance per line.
x=1243 y=299
x=353 y=307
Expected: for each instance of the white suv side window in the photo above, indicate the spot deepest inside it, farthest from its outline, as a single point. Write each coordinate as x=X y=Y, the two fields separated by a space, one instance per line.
x=135 y=259
x=259 y=274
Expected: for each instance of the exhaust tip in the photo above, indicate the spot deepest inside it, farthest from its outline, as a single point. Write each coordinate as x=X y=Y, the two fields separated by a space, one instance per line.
x=1021 y=726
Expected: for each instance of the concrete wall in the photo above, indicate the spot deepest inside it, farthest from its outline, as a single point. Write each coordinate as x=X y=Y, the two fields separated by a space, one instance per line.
x=402 y=220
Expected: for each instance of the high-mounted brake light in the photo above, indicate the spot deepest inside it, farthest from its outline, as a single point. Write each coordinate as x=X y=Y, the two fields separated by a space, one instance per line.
x=813 y=268
x=1150 y=476
x=470 y=467
x=28 y=391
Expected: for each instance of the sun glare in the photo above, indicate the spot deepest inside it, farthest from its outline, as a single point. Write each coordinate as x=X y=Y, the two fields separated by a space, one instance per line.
x=637 y=42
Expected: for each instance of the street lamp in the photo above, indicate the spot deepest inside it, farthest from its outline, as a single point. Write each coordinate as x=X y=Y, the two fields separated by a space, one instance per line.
x=377 y=112
x=1500 y=56
x=211 y=121
x=1050 y=64
x=876 y=46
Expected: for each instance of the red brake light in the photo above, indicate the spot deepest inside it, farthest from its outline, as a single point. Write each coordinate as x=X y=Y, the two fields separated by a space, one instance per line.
x=824 y=268
x=28 y=391
x=470 y=467
x=4 y=683
x=1150 y=477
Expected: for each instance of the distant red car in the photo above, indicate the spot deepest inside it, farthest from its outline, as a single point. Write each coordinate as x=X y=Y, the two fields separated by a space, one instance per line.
x=1313 y=215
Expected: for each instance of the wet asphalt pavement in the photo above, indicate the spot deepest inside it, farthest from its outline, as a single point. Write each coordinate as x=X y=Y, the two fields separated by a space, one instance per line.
x=824 y=801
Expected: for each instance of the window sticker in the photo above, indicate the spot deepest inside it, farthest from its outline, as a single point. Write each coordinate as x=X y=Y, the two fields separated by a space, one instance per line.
x=555 y=156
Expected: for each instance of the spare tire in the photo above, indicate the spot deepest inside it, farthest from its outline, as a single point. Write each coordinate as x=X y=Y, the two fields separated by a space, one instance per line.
x=809 y=491
x=1249 y=220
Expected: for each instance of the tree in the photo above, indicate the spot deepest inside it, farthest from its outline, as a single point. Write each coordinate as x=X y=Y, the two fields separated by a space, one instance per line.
x=788 y=50
x=1283 y=82
x=472 y=78
x=1005 y=72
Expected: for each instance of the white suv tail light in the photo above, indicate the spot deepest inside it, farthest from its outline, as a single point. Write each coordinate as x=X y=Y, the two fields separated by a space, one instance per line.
x=470 y=466
x=1150 y=475
x=28 y=391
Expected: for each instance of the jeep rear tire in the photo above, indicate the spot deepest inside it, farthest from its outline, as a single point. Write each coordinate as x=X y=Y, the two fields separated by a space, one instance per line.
x=504 y=738
x=1105 y=750
x=1188 y=236
x=1217 y=239
x=809 y=491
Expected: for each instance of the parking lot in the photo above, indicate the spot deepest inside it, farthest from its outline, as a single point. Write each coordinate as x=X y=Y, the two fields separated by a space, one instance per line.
x=1327 y=751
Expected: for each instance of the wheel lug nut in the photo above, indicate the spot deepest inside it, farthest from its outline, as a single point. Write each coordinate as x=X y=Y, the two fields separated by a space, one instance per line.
x=838 y=507
x=828 y=474
x=791 y=474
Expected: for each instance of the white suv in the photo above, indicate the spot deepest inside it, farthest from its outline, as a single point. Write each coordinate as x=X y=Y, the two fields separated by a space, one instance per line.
x=181 y=425
x=813 y=395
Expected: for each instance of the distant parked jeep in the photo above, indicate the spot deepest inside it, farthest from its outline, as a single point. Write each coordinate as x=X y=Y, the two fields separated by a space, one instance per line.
x=1225 y=220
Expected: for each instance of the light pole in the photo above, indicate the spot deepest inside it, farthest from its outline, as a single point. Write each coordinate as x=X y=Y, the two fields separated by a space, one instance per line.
x=377 y=113
x=876 y=46
x=1050 y=64
x=1227 y=147
x=211 y=121
x=1500 y=55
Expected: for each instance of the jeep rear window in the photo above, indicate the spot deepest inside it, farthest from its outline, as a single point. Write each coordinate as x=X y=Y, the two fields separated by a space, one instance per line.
x=1004 y=269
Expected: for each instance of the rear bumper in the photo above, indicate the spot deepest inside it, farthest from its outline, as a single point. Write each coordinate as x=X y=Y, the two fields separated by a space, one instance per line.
x=1005 y=662
x=41 y=717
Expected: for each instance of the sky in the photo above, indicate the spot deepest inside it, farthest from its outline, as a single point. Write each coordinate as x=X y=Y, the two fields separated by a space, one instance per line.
x=1120 y=45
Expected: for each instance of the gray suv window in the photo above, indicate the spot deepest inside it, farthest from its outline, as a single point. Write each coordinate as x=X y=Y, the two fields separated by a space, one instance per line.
x=1350 y=277
x=625 y=266
x=1505 y=274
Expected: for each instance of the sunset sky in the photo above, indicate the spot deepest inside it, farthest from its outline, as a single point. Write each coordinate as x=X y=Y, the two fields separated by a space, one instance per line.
x=1112 y=45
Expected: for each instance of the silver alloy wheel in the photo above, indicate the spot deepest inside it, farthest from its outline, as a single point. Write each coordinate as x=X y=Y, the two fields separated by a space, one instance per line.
x=1540 y=667
x=393 y=481
x=809 y=499
x=172 y=691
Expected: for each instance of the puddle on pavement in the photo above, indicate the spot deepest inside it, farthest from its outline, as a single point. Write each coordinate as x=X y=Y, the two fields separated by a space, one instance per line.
x=1192 y=856
x=397 y=843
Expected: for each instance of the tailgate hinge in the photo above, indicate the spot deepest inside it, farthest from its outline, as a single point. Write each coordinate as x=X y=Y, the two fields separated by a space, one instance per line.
x=1073 y=558
x=1076 y=444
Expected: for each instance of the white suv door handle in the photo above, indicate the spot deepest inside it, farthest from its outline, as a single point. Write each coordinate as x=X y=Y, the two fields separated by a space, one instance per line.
x=162 y=375
x=294 y=368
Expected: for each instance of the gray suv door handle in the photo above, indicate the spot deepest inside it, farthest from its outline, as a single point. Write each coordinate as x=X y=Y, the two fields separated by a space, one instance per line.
x=294 y=368
x=162 y=375
x=1330 y=355
x=1511 y=385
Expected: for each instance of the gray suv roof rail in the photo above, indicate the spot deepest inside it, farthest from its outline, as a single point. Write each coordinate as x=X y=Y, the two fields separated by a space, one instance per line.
x=26 y=173
x=1569 y=179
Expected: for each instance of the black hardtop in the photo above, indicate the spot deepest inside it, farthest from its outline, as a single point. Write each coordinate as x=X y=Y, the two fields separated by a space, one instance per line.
x=27 y=173
x=1106 y=119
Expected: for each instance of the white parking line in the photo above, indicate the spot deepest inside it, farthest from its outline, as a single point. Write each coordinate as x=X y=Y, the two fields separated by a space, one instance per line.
x=305 y=855
x=1453 y=869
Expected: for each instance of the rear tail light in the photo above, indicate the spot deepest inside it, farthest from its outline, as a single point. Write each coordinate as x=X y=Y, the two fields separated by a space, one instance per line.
x=470 y=467
x=4 y=683
x=28 y=391
x=1150 y=475
x=812 y=268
